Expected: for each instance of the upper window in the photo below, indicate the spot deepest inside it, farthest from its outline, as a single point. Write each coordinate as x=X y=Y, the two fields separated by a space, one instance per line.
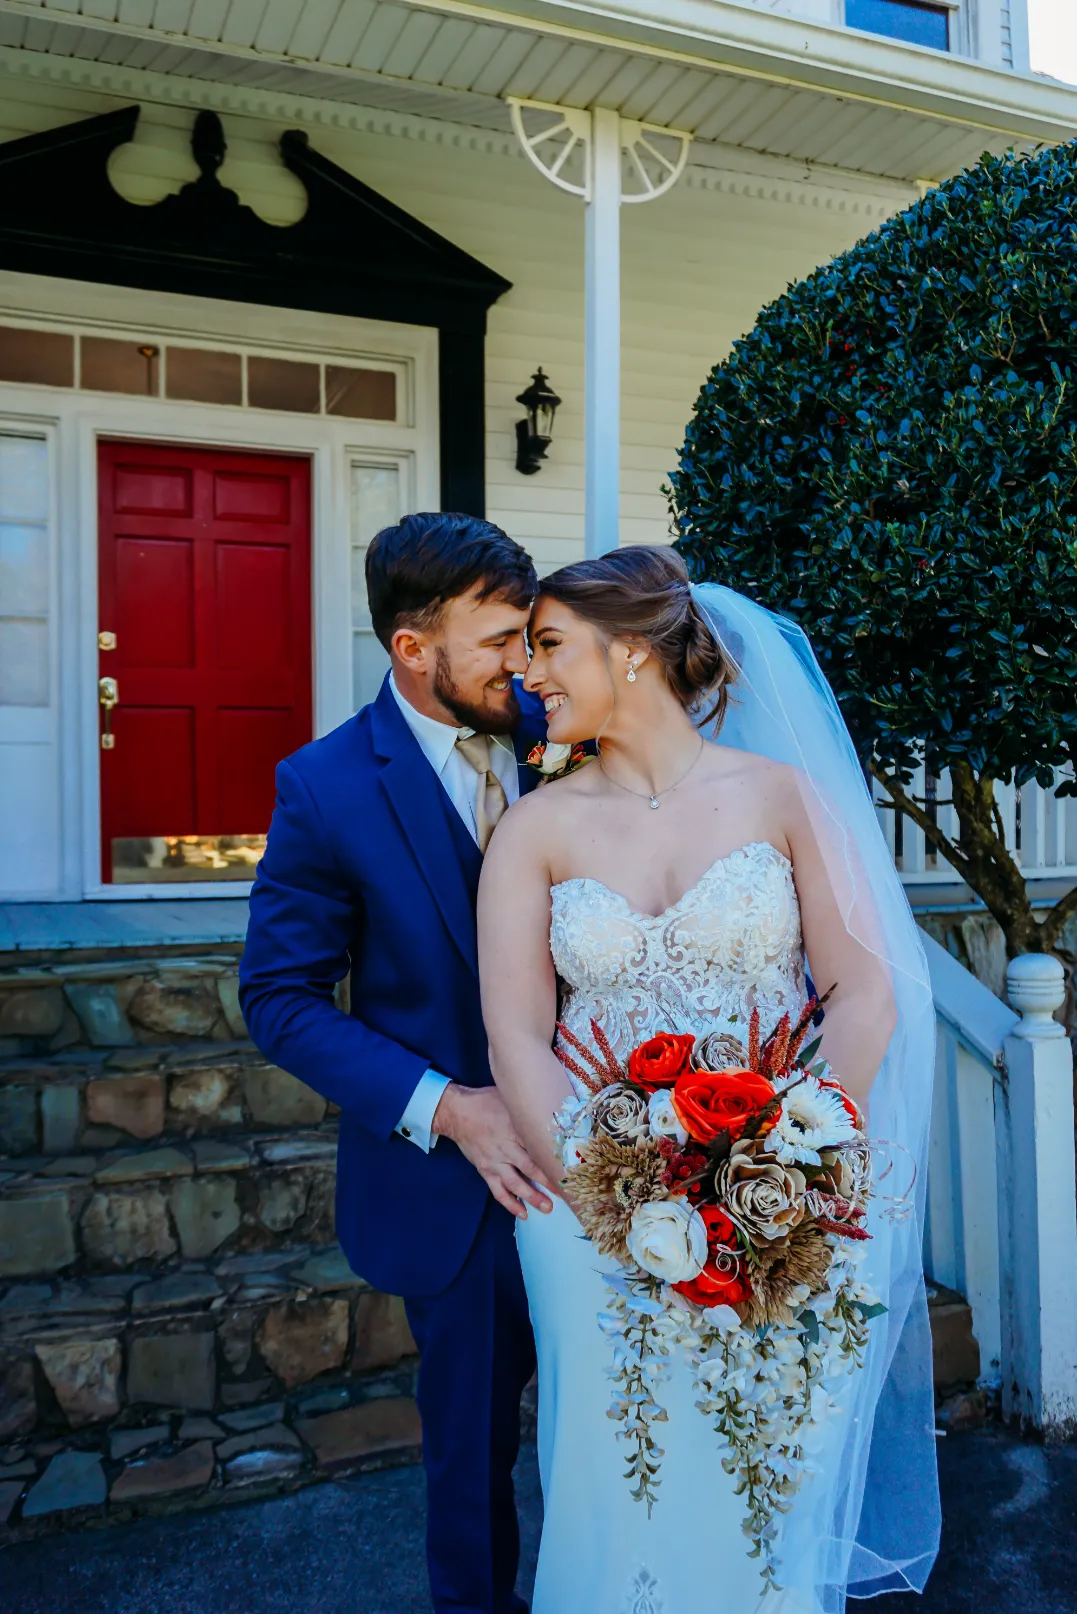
x=902 y=19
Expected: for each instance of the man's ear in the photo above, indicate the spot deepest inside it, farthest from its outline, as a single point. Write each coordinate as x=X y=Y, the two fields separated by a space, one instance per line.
x=412 y=649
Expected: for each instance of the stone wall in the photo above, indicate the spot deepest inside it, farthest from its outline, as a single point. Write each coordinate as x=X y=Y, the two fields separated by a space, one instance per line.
x=176 y=1319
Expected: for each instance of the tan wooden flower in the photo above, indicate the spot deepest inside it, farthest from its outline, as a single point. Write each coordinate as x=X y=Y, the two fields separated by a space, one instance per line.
x=764 y=1198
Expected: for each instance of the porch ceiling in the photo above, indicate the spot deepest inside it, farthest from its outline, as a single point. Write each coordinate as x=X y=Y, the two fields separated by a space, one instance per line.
x=845 y=101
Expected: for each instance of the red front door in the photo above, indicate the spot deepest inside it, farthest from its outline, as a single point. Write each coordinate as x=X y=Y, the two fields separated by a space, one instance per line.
x=204 y=559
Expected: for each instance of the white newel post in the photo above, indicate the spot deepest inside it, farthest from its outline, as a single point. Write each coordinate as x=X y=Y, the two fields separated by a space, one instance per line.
x=622 y=161
x=1038 y=1207
x=602 y=325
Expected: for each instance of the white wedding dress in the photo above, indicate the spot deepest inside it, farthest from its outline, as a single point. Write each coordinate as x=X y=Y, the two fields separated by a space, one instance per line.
x=733 y=942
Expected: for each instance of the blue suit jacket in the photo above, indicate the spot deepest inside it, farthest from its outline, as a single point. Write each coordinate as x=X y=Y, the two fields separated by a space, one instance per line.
x=369 y=868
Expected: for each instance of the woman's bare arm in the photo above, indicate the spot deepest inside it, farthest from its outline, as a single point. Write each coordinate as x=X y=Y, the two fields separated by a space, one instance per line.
x=861 y=1015
x=519 y=988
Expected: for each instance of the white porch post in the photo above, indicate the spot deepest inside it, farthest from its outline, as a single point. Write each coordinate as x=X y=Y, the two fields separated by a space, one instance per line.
x=1038 y=1208
x=602 y=342
x=623 y=161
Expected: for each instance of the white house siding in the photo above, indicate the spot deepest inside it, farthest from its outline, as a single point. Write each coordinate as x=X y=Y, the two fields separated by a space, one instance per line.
x=697 y=266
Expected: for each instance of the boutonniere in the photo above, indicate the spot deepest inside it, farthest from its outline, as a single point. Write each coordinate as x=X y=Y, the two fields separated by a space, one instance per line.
x=552 y=761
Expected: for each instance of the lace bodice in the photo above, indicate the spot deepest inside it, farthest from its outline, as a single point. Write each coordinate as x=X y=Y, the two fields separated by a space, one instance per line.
x=732 y=942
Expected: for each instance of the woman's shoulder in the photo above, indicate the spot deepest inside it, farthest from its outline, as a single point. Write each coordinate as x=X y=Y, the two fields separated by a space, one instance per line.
x=753 y=768
x=539 y=819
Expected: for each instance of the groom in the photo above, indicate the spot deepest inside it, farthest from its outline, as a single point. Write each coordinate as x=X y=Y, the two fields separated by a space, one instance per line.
x=372 y=866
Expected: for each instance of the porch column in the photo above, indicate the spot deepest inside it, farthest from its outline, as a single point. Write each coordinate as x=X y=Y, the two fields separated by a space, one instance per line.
x=602 y=342
x=622 y=161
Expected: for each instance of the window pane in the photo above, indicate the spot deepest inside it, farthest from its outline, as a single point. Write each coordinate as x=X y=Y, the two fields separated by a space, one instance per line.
x=283 y=384
x=203 y=375
x=109 y=366
x=24 y=575
x=376 y=495
x=901 y=19
x=47 y=357
x=360 y=394
x=24 y=662
x=23 y=478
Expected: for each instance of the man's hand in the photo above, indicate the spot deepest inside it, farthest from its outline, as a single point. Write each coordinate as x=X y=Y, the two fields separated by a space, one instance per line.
x=476 y=1120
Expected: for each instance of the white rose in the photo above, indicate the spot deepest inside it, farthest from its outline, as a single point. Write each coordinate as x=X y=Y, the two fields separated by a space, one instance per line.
x=554 y=757
x=662 y=1117
x=668 y=1239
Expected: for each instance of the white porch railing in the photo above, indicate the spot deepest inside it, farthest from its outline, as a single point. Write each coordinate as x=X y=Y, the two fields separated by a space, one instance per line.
x=1040 y=827
x=1001 y=1222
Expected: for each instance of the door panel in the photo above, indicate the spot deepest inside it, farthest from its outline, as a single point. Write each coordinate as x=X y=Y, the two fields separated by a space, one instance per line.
x=154 y=616
x=204 y=560
x=151 y=490
x=251 y=498
x=254 y=611
x=163 y=739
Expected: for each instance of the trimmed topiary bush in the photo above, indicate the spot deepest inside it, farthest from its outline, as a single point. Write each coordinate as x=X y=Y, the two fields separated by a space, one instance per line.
x=890 y=457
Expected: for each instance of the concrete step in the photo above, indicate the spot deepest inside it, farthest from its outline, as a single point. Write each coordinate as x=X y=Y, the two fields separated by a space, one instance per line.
x=122 y=1394
x=143 y=1207
x=90 y=1100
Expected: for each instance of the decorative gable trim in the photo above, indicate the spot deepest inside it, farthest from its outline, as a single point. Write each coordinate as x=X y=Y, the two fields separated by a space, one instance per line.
x=353 y=252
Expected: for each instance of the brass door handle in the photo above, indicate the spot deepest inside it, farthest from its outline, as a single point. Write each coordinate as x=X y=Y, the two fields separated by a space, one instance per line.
x=108 y=696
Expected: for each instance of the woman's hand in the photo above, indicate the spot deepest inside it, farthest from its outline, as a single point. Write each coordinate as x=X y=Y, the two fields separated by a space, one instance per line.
x=476 y=1120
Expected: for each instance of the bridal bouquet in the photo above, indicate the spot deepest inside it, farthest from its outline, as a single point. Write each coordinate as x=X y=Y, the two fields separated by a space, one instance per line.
x=731 y=1181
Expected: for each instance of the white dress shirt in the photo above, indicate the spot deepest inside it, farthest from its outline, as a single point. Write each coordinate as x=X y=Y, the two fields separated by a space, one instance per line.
x=437 y=741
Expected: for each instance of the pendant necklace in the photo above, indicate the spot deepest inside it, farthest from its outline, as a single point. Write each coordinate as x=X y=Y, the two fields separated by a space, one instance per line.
x=654 y=799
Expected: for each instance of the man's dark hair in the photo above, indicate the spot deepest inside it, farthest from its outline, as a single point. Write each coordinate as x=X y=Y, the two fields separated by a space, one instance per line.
x=414 y=569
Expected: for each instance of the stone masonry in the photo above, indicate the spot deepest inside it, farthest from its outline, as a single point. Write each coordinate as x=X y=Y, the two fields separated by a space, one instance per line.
x=177 y=1322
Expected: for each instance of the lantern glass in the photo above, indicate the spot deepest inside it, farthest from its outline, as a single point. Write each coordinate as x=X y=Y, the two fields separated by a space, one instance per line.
x=540 y=401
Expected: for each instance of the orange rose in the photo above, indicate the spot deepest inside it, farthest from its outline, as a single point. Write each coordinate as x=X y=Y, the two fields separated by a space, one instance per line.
x=712 y=1101
x=662 y=1060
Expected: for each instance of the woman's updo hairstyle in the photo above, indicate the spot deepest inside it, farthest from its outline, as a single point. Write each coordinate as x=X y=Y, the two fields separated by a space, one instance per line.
x=642 y=595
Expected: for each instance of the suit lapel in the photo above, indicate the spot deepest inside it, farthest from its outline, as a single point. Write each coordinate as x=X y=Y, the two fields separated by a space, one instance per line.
x=529 y=731
x=425 y=813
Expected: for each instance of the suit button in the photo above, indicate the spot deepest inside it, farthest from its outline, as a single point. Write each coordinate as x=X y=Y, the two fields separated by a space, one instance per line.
x=405 y=1132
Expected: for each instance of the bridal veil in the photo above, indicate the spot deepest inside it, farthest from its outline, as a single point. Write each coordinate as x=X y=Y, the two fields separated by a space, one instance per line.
x=875 y=1526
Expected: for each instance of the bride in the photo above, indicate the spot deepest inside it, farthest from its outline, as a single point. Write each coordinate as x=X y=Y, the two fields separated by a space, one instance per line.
x=721 y=840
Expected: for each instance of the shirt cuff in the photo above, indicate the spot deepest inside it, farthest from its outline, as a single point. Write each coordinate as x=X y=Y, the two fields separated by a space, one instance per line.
x=417 y=1121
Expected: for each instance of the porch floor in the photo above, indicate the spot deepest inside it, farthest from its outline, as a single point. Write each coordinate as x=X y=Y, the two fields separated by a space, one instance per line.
x=1009 y=1545
x=37 y=927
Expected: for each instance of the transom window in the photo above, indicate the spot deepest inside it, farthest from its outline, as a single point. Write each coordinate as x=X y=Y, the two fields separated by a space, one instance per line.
x=911 y=20
x=152 y=369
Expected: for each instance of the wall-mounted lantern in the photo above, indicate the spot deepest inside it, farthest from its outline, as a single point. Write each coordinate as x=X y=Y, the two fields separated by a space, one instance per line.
x=533 y=434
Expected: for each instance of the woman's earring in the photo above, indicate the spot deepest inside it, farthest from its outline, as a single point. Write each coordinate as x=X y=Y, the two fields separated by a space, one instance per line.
x=631 y=673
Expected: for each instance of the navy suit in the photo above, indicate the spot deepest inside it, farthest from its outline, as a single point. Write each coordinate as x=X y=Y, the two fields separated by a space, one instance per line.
x=369 y=868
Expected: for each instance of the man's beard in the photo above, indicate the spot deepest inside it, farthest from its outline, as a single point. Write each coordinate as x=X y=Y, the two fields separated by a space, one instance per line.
x=482 y=719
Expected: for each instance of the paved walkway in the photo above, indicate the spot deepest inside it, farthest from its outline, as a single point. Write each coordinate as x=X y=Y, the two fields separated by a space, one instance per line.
x=1010 y=1547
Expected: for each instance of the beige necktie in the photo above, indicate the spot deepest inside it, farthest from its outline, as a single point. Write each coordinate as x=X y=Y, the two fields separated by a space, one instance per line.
x=490 y=798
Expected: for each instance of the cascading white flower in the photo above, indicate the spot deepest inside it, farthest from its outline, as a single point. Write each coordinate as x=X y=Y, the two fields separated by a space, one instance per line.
x=813 y=1117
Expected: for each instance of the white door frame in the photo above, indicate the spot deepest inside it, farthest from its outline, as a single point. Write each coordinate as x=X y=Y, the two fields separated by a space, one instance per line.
x=78 y=421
